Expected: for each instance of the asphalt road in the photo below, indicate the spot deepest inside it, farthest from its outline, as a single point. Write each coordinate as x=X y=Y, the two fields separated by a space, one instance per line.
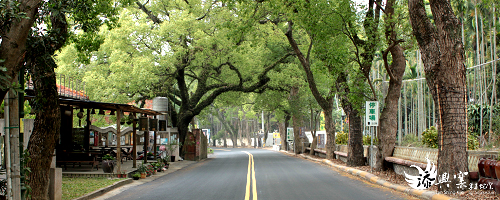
x=256 y=174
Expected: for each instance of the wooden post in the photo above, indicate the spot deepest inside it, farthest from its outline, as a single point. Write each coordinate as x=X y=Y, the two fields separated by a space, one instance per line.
x=14 y=144
x=146 y=144
x=118 y=140
x=86 y=139
x=134 y=140
x=154 y=143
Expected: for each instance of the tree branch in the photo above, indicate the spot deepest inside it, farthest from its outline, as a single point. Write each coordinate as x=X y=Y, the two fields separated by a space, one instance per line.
x=305 y=64
x=150 y=14
x=263 y=79
x=384 y=56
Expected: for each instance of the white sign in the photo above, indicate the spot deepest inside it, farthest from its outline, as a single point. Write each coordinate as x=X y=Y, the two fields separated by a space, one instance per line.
x=425 y=179
x=371 y=116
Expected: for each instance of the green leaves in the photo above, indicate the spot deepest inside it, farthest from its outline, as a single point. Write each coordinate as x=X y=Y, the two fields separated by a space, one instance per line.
x=430 y=137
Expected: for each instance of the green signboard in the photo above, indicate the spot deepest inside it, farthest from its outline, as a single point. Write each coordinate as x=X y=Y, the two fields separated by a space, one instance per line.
x=371 y=113
x=289 y=134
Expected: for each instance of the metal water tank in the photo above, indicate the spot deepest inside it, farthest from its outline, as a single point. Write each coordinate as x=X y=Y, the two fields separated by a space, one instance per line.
x=160 y=104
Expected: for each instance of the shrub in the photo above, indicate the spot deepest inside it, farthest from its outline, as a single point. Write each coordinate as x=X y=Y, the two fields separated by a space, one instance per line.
x=341 y=137
x=472 y=142
x=142 y=169
x=430 y=137
x=411 y=140
x=367 y=140
x=108 y=157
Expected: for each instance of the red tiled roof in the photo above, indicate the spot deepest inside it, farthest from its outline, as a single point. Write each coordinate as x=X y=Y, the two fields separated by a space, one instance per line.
x=68 y=92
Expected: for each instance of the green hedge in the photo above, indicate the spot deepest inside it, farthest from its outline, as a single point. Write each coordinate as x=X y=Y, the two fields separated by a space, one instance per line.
x=341 y=138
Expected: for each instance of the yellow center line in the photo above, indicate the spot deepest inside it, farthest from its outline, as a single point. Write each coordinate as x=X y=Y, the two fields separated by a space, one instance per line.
x=254 y=185
x=247 y=193
x=251 y=170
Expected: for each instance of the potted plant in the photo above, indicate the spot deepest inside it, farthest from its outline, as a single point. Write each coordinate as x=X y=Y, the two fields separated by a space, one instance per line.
x=136 y=176
x=124 y=174
x=150 y=170
x=108 y=163
x=157 y=166
x=160 y=163
x=171 y=147
x=142 y=170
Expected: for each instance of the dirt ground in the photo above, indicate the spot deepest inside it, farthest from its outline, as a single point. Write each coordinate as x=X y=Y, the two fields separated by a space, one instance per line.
x=392 y=177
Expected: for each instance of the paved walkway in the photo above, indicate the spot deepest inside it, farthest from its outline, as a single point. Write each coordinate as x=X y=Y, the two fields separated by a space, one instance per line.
x=87 y=169
x=117 y=188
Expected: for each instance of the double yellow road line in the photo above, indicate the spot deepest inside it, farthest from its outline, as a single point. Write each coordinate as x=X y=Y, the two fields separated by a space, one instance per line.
x=251 y=172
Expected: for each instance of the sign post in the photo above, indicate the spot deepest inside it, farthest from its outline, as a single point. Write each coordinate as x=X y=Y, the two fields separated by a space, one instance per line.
x=371 y=119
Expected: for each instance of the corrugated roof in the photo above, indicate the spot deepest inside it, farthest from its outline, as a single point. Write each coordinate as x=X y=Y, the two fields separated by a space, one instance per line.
x=77 y=103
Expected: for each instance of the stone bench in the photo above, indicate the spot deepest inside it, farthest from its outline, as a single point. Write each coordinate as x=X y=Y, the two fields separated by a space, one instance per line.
x=404 y=157
x=317 y=152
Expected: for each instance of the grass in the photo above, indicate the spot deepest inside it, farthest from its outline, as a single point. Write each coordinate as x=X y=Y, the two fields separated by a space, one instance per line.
x=76 y=187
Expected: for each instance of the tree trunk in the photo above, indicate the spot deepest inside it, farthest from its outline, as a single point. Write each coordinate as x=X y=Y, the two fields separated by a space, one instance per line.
x=355 y=156
x=284 y=143
x=234 y=139
x=314 y=142
x=294 y=92
x=46 y=126
x=330 y=134
x=389 y=119
x=240 y=131
x=225 y=139
x=183 y=129
x=266 y=129
x=281 y=129
x=443 y=57
x=248 y=134
x=389 y=116
x=213 y=131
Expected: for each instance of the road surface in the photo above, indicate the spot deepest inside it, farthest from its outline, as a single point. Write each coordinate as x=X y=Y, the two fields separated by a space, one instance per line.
x=256 y=174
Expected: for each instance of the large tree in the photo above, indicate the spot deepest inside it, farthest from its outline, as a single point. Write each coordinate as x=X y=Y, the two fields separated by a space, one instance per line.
x=197 y=51
x=17 y=18
x=339 y=21
x=442 y=52
x=39 y=61
x=395 y=68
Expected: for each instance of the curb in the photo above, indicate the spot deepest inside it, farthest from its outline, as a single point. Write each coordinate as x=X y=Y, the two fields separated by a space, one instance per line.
x=423 y=194
x=103 y=190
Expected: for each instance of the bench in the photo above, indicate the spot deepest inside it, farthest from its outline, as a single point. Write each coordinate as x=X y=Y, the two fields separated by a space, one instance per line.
x=64 y=158
x=80 y=162
x=317 y=152
x=404 y=157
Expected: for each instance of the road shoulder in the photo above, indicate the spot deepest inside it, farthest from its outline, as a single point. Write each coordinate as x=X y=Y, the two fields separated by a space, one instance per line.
x=422 y=194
